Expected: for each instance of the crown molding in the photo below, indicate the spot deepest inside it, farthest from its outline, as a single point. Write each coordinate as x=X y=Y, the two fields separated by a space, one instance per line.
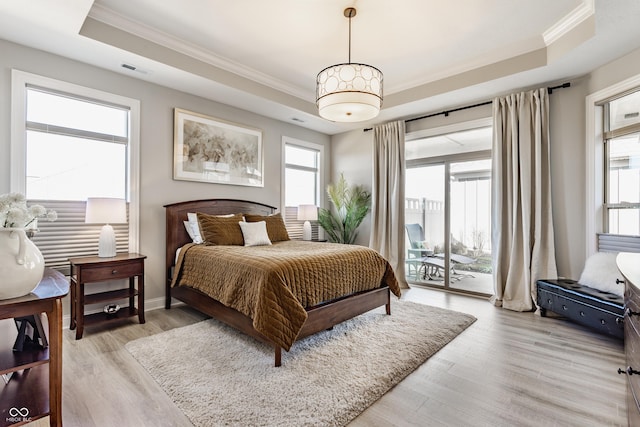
x=474 y=64
x=574 y=18
x=109 y=17
x=114 y=19
x=569 y=22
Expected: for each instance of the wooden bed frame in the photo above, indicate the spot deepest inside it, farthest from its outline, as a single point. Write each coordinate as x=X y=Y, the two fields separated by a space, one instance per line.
x=319 y=318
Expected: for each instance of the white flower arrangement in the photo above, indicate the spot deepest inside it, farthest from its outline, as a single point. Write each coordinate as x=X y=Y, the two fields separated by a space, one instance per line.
x=14 y=212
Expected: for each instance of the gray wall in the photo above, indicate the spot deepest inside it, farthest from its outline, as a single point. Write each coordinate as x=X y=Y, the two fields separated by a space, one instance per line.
x=353 y=156
x=350 y=153
x=567 y=130
x=157 y=187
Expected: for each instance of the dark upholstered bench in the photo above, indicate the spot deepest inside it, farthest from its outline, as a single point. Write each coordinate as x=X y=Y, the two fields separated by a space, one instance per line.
x=599 y=310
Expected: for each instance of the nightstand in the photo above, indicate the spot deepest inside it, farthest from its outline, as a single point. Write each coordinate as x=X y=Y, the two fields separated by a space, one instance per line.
x=87 y=270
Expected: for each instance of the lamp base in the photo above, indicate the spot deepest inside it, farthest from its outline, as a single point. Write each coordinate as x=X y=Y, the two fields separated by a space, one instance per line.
x=107 y=242
x=306 y=231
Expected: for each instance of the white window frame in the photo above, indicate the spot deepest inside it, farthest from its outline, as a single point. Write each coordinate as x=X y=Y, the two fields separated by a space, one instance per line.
x=321 y=178
x=609 y=135
x=19 y=82
x=594 y=196
x=293 y=226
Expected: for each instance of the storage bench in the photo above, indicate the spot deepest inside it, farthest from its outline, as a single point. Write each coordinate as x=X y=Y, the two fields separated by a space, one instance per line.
x=599 y=310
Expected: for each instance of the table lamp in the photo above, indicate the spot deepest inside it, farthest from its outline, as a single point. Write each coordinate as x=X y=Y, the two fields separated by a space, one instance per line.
x=307 y=213
x=102 y=210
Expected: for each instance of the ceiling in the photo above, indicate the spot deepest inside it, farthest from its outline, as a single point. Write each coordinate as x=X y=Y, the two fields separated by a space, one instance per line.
x=263 y=56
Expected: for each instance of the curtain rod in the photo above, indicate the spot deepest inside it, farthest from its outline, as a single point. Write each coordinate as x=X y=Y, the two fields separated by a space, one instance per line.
x=447 y=112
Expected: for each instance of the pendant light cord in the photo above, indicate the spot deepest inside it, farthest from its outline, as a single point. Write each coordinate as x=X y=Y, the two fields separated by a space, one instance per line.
x=350 y=37
x=350 y=12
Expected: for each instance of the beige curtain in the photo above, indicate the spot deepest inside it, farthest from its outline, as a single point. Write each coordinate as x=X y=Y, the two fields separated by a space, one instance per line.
x=387 y=196
x=522 y=223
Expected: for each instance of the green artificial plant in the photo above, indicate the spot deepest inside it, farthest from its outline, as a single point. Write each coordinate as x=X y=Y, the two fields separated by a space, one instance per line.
x=350 y=206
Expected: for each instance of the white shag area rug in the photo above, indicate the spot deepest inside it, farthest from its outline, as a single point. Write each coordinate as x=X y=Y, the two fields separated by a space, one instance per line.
x=220 y=377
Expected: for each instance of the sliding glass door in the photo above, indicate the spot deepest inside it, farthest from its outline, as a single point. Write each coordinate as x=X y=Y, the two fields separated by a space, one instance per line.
x=425 y=223
x=470 y=225
x=448 y=202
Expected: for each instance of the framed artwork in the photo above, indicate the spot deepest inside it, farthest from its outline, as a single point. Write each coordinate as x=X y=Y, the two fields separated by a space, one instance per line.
x=206 y=149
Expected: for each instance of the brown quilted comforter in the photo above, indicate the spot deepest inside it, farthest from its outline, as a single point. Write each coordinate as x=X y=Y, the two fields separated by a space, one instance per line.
x=274 y=284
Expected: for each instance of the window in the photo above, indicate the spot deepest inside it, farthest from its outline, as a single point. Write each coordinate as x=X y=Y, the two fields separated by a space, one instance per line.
x=448 y=193
x=71 y=143
x=607 y=119
x=88 y=141
x=303 y=181
x=301 y=175
x=622 y=165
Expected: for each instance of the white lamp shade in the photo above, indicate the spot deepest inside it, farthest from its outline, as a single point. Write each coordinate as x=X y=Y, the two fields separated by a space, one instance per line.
x=307 y=213
x=102 y=210
x=349 y=107
x=349 y=92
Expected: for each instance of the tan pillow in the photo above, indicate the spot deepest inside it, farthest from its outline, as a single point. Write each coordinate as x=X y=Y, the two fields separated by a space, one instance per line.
x=275 y=226
x=216 y=230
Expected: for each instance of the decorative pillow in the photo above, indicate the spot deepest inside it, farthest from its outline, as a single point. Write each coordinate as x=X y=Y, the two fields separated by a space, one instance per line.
x=217 y=230
x=187 y=227
x=275 y=226
x=195 y=227
x=254 y=233
x=600 y=272
x=194 y=230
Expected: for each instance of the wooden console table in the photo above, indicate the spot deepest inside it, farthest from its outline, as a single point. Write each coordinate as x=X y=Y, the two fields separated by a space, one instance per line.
x=32 y=394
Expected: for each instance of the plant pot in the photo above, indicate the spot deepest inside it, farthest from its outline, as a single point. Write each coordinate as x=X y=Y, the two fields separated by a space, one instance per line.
x=21 y=263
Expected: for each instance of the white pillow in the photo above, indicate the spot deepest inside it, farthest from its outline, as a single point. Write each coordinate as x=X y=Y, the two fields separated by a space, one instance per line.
x=600 y=272
x=255 y=233
x=195 y=228
x=187 y=227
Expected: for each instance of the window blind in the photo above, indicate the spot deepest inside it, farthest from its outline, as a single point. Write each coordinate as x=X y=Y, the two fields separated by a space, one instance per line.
x=294 y=226
x=69 y=236
x=618 y=243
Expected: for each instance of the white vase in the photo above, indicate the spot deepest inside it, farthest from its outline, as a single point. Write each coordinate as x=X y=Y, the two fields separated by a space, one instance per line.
x=21 y=263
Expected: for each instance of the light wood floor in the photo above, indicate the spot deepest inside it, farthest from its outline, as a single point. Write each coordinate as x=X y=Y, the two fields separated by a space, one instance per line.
x=507 y=369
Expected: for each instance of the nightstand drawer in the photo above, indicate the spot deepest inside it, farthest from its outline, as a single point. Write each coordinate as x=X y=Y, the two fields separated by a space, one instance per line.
x=112 y=272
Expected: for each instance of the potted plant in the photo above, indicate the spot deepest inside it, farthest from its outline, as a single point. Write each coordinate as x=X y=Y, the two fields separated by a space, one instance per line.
x=350 y=206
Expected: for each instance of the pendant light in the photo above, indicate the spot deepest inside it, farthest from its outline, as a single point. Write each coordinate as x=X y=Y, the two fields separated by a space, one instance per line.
x=349 y=92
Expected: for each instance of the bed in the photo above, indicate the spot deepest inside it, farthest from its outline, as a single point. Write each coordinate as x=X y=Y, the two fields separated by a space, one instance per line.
x=315 y=316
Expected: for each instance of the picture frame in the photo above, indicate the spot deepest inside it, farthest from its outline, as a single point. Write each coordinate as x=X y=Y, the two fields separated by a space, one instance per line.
x=208 y=149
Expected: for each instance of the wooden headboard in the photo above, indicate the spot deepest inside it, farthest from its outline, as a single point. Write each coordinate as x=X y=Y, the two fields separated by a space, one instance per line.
x=176 y=213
